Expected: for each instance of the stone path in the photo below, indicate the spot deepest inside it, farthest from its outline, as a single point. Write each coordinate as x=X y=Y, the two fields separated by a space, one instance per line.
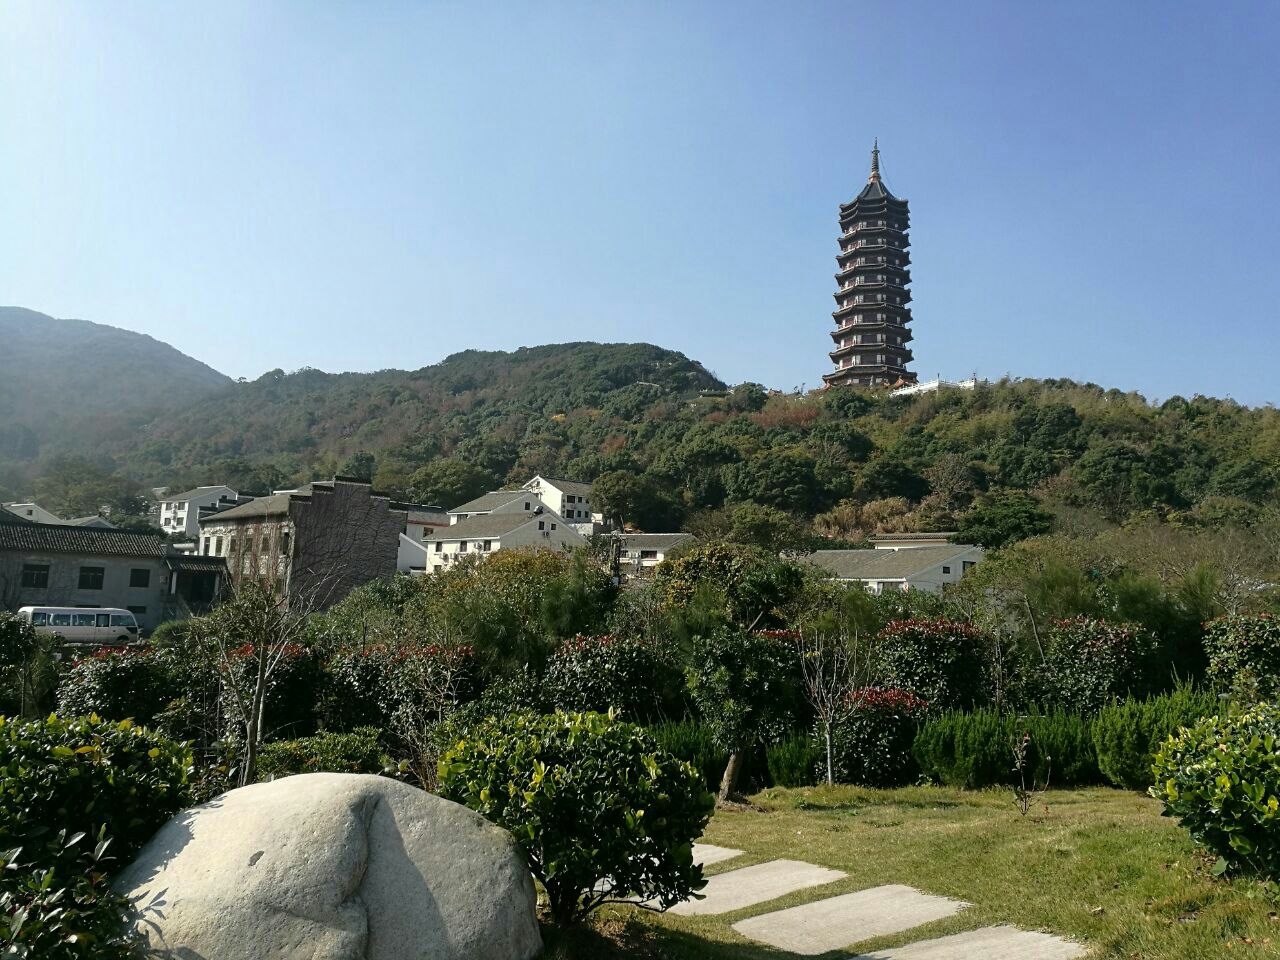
x=836 y=922
x=989 y=943
x=748 y=886
x=823 y=925
x=705 y=854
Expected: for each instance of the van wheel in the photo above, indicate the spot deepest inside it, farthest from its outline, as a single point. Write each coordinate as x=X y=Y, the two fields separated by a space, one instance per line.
x=124 y=640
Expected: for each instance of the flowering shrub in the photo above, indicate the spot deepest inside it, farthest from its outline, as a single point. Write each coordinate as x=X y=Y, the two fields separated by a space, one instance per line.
x=376 y=685
x=1087 y=662
x=119 y=683
x=292 y=693
x=941 y=661
x=600 y=811
x=871 y=740
x=1221 y=779
x=637 y=678
x=1244 y=654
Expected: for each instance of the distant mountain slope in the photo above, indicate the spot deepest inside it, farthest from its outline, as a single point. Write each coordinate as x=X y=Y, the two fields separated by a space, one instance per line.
x=491 y=408
x=76 y=386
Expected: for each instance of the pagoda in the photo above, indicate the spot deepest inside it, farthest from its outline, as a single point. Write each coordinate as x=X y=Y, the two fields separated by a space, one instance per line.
x=872 y=316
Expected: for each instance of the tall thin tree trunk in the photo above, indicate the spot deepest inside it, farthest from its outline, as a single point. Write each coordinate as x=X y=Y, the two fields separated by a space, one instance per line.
x=731 y=771
x=826 y=732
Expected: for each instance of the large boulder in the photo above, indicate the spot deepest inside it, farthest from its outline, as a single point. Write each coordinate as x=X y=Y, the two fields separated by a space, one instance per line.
x=331 y=866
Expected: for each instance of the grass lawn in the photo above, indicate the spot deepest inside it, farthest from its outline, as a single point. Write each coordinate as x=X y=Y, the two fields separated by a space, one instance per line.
x=1099 y=865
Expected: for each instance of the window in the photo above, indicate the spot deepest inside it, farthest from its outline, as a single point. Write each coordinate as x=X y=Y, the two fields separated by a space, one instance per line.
x=231 y=546
x=35 y=574
x=139 y=577
x=439 y=546
x=60 y=620
x=91 y=578
x=120 y=620
x=966 y=565
x=648 y=554
x=205 y=546
x=104 y=620
x=526 y=504
x=39 y=619
x=946 y=569
x=553 y=526
x=542 y=525
x=462 y=547
x=262 y=547
x=217 y=546
x=284 y=544
x=83 y=620
x=140 y=611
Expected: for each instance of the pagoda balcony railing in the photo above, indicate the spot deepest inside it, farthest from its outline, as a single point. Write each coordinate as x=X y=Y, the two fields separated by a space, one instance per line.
x=877 y=242
x=882 y=322
x=873 y=225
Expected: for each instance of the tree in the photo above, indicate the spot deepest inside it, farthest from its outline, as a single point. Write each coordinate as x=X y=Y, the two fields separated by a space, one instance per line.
x=748 y=586
x=783 y=479
x=887 y=477
x=767 y=527
x=640 y=500
x=361 y=465
x=1004 y=518
x=26 y=665
x=450 y=483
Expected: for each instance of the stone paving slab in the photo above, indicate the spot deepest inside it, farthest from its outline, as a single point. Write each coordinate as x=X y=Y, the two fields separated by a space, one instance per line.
x=748 y=886
x=989 y=943
x=823 y=925
x=705 y=854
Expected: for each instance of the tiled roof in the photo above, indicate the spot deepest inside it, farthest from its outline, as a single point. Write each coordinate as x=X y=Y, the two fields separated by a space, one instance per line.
x=8 y=517
x=485 y=525
x=575 y=487
x=654 y=541
x=92 y=541
x=194 y=563
x=884 y=564
x=93 y=520
x=908 y=537
x=492 y=500
x=276 y=505
x=193 y=493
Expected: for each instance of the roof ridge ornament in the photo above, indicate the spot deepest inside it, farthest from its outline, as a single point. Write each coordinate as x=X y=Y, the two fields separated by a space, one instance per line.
x=875 y=163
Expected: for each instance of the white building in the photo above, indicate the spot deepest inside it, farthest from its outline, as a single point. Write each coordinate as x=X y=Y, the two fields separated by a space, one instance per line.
x=486 y=533
x=33 y=512
x=569 y=498
x=639 y=553
x=497 y=501
x=180 y=513
x=903 y=568
x=935 y=385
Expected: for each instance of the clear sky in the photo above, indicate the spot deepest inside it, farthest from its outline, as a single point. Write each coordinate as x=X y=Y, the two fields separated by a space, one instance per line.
x=1095 y=187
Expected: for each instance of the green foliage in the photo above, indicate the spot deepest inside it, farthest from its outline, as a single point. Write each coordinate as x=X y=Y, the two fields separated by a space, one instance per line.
x=72 y=791
x=940 y=661
x=745 y=686
x=1244 y=654
x=26 y=666
x=792 y=761
x=127 y=684
x=871 y=739
x=1087 y=662
x=1221 y=779
x=752 y=585
x=1003 y=518
x=637 y=499
x=600 y=811
x=640 y=680
x=356 y=752
x=449 y=482
x=693 y=743
x=1127 y=733
x=974 y=749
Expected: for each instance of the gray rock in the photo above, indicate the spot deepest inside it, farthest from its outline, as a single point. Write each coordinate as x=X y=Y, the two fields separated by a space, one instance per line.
x=332 y=866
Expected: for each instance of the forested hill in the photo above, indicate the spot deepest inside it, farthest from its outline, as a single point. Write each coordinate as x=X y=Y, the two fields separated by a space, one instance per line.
x=76 y=386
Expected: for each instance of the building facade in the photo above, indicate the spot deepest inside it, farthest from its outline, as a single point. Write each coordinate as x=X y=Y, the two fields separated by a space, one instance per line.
x=637 y=554
x=45 y=564
x=314 y=545
x=571 y=499
x=872 y=314
x=486 y=534
x=898 y=568
x=180 y=513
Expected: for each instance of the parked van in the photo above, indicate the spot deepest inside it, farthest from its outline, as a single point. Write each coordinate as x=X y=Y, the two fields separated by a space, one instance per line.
x=89 y=625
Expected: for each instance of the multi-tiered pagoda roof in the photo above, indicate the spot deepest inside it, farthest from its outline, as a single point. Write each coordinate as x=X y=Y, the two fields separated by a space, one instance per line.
x=872 y=314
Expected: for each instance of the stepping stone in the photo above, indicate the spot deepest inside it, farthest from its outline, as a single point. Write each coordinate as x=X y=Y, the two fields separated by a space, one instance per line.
x=989 y=943
x=748 y=886
x=705 y=854
x=823 y=925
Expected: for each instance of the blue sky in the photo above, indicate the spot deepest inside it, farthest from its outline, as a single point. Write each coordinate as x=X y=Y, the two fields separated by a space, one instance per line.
x=1095 y=188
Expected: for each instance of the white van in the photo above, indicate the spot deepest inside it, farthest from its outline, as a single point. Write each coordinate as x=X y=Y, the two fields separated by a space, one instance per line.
x=95 y=625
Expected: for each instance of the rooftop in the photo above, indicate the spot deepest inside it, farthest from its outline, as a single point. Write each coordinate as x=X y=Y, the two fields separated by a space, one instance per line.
x=482 y=526
x=884 y=564
x=575 y=487
x=194 y=492
x=276 y=505
x=92 y=541
x=653 y=541
x=492 y=501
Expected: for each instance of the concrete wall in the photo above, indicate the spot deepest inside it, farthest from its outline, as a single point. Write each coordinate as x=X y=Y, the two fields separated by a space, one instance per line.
x=64 y=584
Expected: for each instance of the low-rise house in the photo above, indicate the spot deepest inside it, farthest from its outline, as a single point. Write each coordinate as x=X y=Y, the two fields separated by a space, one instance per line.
x=93 y=520
x=33 y=512
x=180 y=512
x=908 y=541
x=927 y=568
x=639 y=553
x=571 y=499
x=315 y=545
x=47 y=564
x=485 y=534
x=496 y=501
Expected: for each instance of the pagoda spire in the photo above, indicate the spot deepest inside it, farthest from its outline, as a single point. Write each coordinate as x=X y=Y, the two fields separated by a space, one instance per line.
x=875 y=163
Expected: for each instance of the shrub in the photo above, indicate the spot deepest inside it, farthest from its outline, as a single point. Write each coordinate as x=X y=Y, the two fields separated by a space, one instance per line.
x=118 y=684
x=381 y=685
x=745 y=687
x=1127 y=734
x=793 y=762
x=72 y=791
x=975 y=749
x=1244 y=654
x=941 y=661
x=1221 y=779
x=356 y=752
x=693 y=743
x=871 y=740
x=600 y=811
x=1088 y=662
x=27 y=673
x=637 y=678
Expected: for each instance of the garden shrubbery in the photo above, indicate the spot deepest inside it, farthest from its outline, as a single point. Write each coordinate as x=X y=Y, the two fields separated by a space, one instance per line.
x=78 y=798
x=871 y=740
x=1127 y=733
x=599 y=809
x=1087 y=662
x=640 y=679
x=355 y=752
x=135 y=683
x=1244 y=655
x=1221 y=779
x=940 y=661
